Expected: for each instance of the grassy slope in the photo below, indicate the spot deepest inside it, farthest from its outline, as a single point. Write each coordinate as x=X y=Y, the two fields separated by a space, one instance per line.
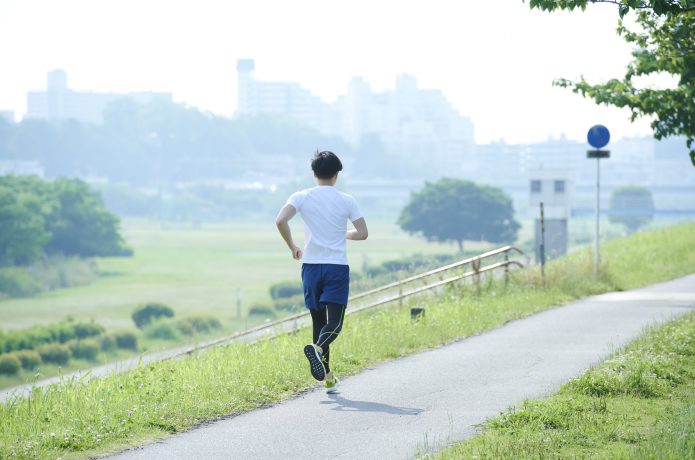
x=172 y=396
x=638 y=404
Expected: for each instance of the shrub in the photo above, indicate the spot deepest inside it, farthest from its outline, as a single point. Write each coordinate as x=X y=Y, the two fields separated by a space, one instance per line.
x=85 y=349
x=30 y=359
x=185 y=327
x=373 y=272
x=262 y=310
x=9 y=364
x=54 y=353
x=147 y=313
x=286 y=289
x=201 y=324
x=291 y=303
x=107 y=342
x=84 y=330
x=126 y=340
x=18 y=282
x=162 y=330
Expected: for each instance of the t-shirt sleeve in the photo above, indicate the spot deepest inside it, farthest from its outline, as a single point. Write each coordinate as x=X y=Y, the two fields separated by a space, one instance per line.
x=296 y=200
x=353 y=209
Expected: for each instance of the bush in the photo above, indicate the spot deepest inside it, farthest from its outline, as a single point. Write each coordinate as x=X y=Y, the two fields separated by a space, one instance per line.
x=31 y=338
x=84 y=330
x=18 y=282
x=126 y=340
x=185 y=327
x=85 y=349
x=107 y=342
x=162 y=330
x=54 y=353
x=198 y=324
x=147 y=313
x=293 y=303
x=9 y=364
x=262 y=310
x=286 y=289
x=30 y=359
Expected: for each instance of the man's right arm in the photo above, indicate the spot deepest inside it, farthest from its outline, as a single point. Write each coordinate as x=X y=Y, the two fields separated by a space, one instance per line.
x=360 y=232
x=284 y=216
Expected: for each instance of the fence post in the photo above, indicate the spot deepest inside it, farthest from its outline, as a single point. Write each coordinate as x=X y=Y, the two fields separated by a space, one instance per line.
x=400 y=296
x=476 y=269
x=506 y=268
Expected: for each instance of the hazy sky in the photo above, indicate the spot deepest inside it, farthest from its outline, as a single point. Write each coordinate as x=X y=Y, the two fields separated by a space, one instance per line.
x=494 y=60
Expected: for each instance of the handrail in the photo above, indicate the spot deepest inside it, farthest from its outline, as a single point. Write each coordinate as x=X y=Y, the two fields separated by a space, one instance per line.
x=435 y=271
x=273 y=325
x=475 y=261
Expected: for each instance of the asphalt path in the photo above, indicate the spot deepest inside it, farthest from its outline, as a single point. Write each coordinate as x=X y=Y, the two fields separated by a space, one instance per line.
x=422 y=402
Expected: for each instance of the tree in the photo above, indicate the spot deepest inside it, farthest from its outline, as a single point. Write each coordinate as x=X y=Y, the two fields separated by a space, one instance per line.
x=80 y=224
x=22 y=232
x=632 y=206
x=660 y=7
x=665 y=43
x=458 y=210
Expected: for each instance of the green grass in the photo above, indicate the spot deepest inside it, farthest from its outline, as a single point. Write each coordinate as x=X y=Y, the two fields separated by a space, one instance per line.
x=197 y=272
x=638 y=404
x=83 y=419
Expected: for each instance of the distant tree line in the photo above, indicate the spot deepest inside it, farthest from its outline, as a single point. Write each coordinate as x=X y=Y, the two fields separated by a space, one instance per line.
x=66 y=217
x=163 y=142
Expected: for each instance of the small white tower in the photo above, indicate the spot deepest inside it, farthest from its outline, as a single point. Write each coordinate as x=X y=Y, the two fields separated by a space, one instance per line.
x=555 y=188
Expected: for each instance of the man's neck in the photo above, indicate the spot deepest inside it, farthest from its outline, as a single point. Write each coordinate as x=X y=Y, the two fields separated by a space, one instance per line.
x=330 y=181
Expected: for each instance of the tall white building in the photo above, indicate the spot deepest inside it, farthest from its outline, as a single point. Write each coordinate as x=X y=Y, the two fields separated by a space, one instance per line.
x=408 y=120
x=59 y=102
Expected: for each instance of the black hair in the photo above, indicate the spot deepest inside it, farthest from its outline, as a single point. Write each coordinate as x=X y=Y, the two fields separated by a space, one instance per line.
x=326 y=164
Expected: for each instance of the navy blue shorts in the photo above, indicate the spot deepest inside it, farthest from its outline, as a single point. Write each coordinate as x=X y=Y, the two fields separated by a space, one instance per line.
x=325 y=283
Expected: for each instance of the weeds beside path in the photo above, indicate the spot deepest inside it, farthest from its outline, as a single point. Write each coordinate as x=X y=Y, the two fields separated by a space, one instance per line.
x=82 y=419
x=640 y=403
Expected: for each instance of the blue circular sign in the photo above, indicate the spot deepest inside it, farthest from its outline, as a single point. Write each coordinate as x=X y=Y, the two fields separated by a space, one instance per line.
x=598 y=136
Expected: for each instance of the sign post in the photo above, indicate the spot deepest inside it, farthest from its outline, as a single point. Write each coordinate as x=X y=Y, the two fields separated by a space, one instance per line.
x=598 y=136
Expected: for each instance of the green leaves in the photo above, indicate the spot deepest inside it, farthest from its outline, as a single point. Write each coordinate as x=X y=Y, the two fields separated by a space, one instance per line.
x=458 y=210
x=664 y=44
x=658 y=7
x=61 y=217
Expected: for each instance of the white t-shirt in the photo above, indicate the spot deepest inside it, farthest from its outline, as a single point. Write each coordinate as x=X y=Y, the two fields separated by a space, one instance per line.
x=325 y=211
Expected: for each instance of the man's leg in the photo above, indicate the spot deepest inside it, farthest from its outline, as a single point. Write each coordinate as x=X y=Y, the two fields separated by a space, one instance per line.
x=335 y=314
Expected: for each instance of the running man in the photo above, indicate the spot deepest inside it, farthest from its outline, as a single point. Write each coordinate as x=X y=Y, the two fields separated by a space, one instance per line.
x=325 y=272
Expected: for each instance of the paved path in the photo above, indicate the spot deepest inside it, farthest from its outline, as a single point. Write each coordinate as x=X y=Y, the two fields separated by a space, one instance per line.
x=425 y=400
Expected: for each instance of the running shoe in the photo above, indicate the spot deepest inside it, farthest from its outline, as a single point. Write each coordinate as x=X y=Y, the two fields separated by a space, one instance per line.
x=315 y=364
x=332 y=385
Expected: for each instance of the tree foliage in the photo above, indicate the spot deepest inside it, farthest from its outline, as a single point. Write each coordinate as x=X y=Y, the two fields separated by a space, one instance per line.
x=664 y=43
x=458 y=210
x=660 y=7
x=61 y=217
x=632 y=206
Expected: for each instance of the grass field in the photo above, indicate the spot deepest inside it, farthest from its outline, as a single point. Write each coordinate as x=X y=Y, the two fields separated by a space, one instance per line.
x=640 y=403
x=200 y=270
x=197 y=271
x=80 y=419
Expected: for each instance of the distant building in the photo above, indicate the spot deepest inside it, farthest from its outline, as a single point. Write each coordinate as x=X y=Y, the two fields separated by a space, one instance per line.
x=59 y=102
x=554 y=188
x=7 y=115
x=407 y=120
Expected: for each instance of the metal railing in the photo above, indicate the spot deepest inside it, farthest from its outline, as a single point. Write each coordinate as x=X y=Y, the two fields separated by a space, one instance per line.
x=392 y=292
x=396 y=291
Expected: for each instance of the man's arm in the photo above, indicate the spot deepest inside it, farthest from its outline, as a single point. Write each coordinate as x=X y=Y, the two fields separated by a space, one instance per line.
x=284 y=216
x=360 y=232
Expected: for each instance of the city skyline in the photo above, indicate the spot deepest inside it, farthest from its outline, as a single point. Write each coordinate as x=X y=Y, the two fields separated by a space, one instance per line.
x=497 y=71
